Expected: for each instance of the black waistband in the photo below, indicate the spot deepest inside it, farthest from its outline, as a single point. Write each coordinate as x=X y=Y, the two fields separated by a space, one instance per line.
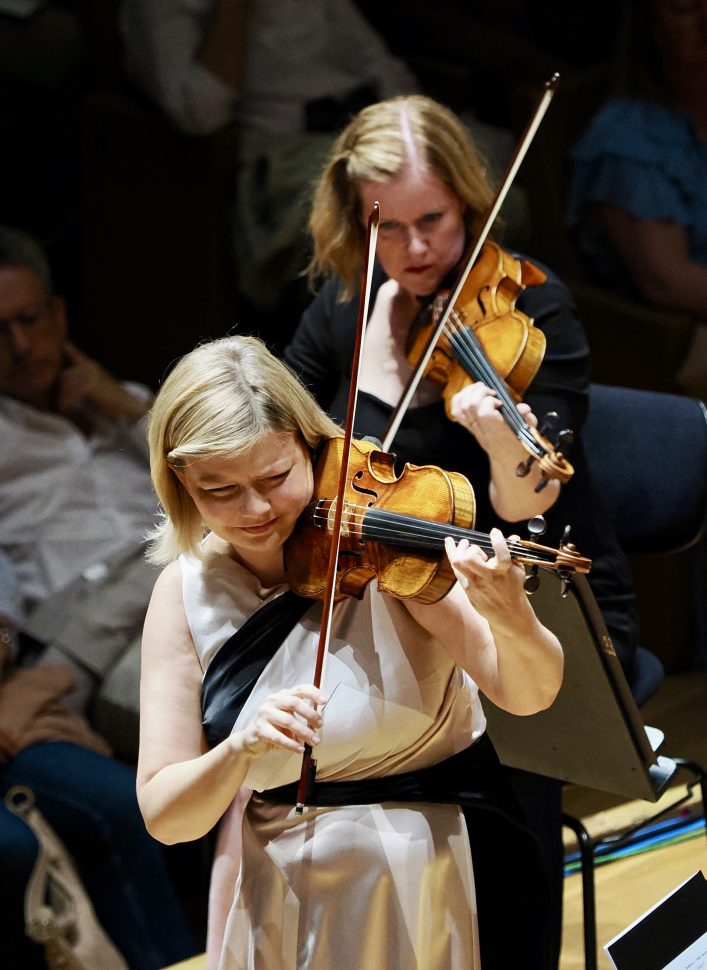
x=471 y=777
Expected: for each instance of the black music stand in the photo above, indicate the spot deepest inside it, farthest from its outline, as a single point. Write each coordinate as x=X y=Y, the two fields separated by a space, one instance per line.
x=593 y=734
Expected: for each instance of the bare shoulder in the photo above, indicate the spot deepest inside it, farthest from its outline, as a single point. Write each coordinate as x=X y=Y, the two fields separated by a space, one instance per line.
x=170 y=663
x=166 y=619
x=169 y=580
x=167 y=591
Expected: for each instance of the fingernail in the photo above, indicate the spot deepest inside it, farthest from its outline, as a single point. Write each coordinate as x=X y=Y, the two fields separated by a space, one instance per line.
x=315 y=739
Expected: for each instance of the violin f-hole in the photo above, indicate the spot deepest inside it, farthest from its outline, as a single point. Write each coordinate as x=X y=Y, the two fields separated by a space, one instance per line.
x=363 y=491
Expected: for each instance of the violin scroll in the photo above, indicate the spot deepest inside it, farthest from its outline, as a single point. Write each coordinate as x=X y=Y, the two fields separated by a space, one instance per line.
x=551 y=459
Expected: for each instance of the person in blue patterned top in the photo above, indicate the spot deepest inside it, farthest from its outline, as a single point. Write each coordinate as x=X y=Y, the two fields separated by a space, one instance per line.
x=638 y=199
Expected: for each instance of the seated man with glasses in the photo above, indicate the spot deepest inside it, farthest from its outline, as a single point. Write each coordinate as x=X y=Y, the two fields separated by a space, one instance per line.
x=75 y=504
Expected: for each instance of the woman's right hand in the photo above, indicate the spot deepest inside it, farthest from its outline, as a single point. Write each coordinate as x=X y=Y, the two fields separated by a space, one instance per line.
x=288 y=719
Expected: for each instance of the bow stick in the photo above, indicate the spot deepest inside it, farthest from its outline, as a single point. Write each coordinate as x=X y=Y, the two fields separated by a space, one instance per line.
x=309 y=765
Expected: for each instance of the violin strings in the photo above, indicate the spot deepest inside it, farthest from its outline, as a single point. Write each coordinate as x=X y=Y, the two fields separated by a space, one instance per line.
x=471 y=354
x=467 y=346
x=383 y=524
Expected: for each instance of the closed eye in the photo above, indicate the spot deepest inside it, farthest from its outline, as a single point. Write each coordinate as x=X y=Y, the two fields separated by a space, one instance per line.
x=274 y=480
x=220 y=490
x=264 y=484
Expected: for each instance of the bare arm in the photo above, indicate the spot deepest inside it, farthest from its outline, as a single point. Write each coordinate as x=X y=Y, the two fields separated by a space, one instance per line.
x=657 y=258
x=488 y=626
x=513 y=498
x=183 y=788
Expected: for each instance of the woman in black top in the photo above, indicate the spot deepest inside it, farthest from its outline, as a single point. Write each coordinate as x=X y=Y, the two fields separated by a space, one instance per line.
x=391 y=153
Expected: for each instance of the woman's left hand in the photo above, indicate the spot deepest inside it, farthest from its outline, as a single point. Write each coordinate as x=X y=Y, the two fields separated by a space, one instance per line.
x=477 y=408
x=492 y=583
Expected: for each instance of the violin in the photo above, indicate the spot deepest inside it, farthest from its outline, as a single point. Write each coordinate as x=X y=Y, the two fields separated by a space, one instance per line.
x=487 y=338
x=383 y=537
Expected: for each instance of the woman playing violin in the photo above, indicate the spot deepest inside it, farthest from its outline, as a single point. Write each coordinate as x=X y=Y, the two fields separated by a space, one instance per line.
x=416 y=159
x=377 y=871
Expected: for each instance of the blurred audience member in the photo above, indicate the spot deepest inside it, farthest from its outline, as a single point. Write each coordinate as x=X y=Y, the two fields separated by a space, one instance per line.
x=638 y=201
x=75 y=502
x=75 y=493
x=289 y=73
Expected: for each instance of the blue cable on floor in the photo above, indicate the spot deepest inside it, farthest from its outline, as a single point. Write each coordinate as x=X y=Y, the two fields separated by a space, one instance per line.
x=658 y=835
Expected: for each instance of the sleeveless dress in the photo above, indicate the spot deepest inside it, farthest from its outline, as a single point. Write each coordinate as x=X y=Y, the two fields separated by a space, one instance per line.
x=387 y=885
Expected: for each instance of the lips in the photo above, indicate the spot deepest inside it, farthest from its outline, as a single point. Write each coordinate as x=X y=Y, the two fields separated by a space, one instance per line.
x=416 y=270
x=255 y=530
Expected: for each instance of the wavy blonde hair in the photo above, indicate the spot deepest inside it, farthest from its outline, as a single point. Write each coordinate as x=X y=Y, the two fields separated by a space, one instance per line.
x=220 y=399
x=377 y=145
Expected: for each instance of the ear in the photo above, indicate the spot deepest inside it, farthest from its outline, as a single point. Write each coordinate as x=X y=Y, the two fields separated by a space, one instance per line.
x=181 y=476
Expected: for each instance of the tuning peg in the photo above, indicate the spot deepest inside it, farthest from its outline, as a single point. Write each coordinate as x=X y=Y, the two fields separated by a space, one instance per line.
x=541 y=484
x=524 y=467
x=565 y=440
x=537 y=526
x=532 y=580
x=565 y=536
x=549 y=423
x=566 y=578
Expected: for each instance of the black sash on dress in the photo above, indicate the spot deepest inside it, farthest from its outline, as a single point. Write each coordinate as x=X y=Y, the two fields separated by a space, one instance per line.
x=233 y=672
x=471 y=777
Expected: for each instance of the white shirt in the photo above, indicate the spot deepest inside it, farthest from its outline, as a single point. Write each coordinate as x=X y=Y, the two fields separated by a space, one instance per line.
x=67 y=501
x=298 y=51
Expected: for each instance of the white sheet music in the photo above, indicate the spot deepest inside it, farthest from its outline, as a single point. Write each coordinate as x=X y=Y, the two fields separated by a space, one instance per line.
x=693 y=958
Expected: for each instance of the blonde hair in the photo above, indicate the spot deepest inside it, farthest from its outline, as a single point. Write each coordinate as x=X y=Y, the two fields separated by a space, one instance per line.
x=377 y=145
x=220 y=399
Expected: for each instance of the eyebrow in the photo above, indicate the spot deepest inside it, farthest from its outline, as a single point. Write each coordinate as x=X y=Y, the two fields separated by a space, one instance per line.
x=215 y=479
x=212 y=480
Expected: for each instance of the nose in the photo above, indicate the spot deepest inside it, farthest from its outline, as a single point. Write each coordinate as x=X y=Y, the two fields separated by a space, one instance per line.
x=254 y=504
x=416 y=242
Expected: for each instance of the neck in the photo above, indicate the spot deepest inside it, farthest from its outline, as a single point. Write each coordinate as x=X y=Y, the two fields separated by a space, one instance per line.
x=405 y=306
x=269 y=571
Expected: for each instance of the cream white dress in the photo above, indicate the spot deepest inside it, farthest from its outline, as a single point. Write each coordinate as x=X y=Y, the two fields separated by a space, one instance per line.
x=349 y=887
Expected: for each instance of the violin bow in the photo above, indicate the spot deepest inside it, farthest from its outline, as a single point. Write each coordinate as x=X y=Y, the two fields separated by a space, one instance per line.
x=309 y=765
x=506 y=183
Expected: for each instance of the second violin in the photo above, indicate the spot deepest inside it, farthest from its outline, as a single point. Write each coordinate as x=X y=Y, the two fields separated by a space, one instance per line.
x=486 y=338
